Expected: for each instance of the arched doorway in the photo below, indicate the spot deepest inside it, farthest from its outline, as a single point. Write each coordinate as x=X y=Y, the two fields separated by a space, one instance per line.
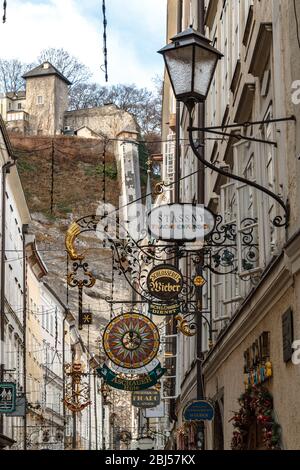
x=255 y=436
x=255 y=427
x=218 y=434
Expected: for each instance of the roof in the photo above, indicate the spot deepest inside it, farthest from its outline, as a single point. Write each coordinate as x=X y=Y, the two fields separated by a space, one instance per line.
x=6 y=139
x=18 y=95
x=98 y=134
x=44 y=70
x=54 y=294
x=35 y=257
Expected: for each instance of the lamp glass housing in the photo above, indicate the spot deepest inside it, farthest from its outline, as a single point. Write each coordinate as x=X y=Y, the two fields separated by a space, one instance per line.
x=191 y=63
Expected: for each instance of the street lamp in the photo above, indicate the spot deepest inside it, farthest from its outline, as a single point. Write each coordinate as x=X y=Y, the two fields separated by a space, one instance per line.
x=191 y=62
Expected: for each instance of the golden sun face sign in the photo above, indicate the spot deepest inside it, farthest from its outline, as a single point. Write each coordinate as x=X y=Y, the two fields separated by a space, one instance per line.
x=131 y=340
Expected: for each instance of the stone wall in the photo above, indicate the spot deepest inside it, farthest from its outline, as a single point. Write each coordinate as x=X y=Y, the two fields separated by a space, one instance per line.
x=106 y=121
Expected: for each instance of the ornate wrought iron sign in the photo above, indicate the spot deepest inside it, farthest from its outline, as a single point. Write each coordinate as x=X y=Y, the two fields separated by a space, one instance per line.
x=181 y=222
x=131 y=340
x=81 y=278
x=77 y=392
x=133 y=383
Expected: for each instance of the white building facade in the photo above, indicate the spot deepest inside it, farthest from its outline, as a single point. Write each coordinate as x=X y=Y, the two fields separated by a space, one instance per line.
x=255 y=81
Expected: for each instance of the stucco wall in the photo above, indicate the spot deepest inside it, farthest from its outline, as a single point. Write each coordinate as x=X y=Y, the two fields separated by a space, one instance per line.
x=225 y=369
x=42 y=116
x=61 y=103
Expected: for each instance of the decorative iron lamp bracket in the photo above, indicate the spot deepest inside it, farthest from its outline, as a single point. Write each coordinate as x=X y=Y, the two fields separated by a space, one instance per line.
x=278 y=221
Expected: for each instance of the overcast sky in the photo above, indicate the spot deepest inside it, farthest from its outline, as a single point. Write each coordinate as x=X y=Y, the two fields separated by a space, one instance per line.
x=136 y=30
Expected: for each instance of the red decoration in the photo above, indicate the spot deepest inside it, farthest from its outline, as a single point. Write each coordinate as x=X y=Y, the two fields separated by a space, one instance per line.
x=255 y=402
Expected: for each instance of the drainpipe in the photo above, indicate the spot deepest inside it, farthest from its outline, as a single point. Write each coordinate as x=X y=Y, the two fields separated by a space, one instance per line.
x=200 y=260
x=5 y=170
x=64 y=374
x=24 y=233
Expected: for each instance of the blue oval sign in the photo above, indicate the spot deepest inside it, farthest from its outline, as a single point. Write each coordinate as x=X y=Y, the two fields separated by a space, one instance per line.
x=199 y=410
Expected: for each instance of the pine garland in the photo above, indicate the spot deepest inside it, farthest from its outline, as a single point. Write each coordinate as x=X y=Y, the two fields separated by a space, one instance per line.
x=256 y=402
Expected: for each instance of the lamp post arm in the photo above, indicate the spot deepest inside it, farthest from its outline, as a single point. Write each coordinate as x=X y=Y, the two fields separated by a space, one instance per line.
x=246 y=124
x=278 y=221
x=240 y=137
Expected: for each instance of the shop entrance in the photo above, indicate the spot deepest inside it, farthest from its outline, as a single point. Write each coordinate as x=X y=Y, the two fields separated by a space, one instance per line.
x=218 y=429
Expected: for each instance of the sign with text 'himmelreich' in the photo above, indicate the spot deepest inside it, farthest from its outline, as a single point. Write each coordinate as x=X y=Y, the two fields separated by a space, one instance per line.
x=181 y=222
x=199 y=410
x=7 y=397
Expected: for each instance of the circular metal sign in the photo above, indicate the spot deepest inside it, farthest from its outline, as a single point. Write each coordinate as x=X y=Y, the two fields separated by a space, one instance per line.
x=165 y=282
x=131 y=340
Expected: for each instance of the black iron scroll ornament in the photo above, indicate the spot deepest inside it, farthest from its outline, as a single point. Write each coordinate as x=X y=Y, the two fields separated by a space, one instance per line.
x=278 y=221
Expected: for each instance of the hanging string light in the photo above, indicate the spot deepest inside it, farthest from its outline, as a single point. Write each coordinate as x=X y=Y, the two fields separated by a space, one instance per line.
x=4 y=11
x=112 y=283
x=104 y=67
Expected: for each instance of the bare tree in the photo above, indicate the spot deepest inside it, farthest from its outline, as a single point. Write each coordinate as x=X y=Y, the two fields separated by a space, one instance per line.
x=87 y=95
x=67 y=64
x=144 y=104
x=11 y=73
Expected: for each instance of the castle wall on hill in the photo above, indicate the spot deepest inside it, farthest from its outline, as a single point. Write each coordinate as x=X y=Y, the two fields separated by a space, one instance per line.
x=106 y=121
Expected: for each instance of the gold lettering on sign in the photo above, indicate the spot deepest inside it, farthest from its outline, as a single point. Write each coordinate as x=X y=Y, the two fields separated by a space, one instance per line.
x=166 y=273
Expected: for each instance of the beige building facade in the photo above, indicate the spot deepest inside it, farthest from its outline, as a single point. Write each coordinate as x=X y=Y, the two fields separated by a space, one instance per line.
x=255 y=310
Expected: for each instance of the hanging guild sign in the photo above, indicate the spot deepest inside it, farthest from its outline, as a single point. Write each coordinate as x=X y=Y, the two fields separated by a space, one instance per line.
x=165 y=282
x=86 y=318
x=134 y=383
x=146 y=399
x=7 y=397
x=181 y=222
x=131 y=340
x=200 y=410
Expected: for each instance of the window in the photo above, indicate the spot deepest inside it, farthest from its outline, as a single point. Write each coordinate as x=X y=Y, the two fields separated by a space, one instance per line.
x=19 y=105
x=51 y=325
x=40 y=100
x=170 y=158
x=43 y=317
x=270 y=179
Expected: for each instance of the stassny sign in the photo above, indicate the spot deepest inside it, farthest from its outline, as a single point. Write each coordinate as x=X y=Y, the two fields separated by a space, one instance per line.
x=181 y=222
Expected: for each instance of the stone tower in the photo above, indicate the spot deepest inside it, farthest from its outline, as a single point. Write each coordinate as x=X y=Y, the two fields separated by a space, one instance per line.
x=47 y=99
